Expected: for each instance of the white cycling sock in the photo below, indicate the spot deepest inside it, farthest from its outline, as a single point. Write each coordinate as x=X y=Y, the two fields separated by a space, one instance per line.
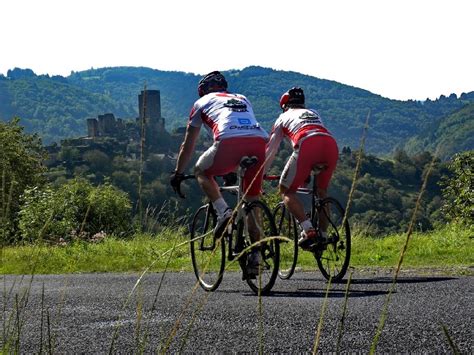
x=306 y=225
x=220 y=206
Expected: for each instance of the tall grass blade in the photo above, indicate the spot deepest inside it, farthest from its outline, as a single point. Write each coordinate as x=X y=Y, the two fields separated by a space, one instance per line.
x=164 y=349
x=83 y=224
x=142 y=157
x=453 y=346
x=260 y=315
x=357 y=168
x=50 y=338
x=344 y=311
x=197 y=311
x=18 y=325
x=3 y=217
x=41 y=322
x=321 y=318
x=132 y=292
x=384 y=314
x=155 y=300
x=139 y=311
x=8 y=325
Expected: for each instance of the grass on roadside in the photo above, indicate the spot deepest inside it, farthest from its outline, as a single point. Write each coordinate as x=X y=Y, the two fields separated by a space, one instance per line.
x=110 y=255
x=451 y=246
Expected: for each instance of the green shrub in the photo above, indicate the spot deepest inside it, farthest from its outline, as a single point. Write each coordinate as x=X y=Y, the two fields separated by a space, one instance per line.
x=74 y=210
x=110 y=210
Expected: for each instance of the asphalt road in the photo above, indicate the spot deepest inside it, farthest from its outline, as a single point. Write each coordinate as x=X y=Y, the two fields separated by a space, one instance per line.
x=94 y=313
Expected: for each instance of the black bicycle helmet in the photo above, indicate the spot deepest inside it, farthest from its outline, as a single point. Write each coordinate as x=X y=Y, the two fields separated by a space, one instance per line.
x=293 y=97
x=211 y=82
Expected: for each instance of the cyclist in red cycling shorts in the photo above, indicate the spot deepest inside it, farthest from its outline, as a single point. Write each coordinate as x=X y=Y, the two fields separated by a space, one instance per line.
x=229 y=118
x=312 y=145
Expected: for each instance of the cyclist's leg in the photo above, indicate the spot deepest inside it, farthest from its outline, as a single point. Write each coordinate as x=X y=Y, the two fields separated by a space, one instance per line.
x=203 y=172
x=323 y=221
x=293 y=203
x=254 y=221
x=294 y=174
x=210 y=164
x=328 y=146
x=252 y=184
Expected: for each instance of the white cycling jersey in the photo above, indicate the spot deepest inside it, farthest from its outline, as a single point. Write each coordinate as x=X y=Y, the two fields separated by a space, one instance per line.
x=226 y=115
x=296 y=124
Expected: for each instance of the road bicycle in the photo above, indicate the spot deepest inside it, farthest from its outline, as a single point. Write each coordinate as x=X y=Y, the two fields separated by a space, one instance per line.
x=333 y=253
x=208 y=251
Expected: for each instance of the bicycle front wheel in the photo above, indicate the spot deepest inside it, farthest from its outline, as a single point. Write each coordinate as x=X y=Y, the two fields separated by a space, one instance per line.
x=334 y=254
x=207 y=252
x=286 y=227
x=260 y=221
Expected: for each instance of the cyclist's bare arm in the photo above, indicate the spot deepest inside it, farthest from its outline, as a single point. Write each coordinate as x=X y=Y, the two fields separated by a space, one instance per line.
x=187 y=148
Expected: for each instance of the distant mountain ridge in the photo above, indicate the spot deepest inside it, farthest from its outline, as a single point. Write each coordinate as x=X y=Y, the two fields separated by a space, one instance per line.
x=56 y=107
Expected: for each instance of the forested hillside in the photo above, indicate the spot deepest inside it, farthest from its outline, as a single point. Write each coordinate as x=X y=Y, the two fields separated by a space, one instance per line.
x=455 y=133
x=56 y=107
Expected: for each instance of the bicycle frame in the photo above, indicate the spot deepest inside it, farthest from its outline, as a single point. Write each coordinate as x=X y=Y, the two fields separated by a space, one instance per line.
x=332 y=252
x=250 y=220
x=315 y=199
x=240 y=216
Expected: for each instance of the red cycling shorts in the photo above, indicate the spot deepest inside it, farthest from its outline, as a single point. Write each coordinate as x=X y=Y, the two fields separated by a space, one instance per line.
x=318 y=149
x=224 y=157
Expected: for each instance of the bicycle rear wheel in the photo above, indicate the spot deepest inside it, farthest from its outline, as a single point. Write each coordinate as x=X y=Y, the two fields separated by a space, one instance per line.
x=334 y=254
x=286 y=227
x=260 y=220
x=207 y=252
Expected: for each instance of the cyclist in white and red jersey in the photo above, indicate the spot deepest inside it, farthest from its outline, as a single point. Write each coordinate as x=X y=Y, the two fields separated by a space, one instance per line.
x=230 y=119
x=312 y=145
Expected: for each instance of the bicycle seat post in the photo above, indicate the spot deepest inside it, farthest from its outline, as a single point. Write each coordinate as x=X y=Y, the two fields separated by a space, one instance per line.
x=245 y=163
x=315 y=171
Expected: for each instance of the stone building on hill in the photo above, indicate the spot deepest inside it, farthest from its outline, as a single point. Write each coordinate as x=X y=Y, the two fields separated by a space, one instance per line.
x=122 y=137
x=149 y=108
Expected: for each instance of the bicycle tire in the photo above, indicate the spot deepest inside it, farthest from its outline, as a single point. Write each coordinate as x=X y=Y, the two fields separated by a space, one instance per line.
x=264 y=282
x=333 y=256
x=207 y=252
x=286 y=227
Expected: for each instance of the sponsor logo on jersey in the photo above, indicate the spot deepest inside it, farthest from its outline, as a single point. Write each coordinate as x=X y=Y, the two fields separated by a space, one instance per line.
x=236 y=105
x=254 y=126
x=310 y=117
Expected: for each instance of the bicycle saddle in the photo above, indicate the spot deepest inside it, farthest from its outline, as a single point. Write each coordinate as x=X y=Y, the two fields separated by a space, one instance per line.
x=247 y=162
x=317 y=168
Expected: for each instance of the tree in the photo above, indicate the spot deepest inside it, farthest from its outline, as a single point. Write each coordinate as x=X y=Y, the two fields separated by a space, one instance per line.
x=458 y=189
x=21 y=166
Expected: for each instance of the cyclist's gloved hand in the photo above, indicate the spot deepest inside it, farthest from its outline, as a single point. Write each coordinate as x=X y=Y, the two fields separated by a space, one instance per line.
x=175 y=180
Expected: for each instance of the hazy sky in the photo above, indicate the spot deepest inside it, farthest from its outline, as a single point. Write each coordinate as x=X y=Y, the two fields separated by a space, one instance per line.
x=401 y=49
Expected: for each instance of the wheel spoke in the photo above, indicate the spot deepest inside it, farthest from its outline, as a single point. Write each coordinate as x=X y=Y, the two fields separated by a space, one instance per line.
x=261 y=224
x=286 y=227
x=333 y=261
x=207 y=253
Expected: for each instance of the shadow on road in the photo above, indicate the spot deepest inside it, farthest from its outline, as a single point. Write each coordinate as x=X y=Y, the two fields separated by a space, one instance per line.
x=387 y=280
x=400 y=280
x=312 y=293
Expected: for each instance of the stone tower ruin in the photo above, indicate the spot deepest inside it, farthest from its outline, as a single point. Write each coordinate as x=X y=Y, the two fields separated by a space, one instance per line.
x=149 y=106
